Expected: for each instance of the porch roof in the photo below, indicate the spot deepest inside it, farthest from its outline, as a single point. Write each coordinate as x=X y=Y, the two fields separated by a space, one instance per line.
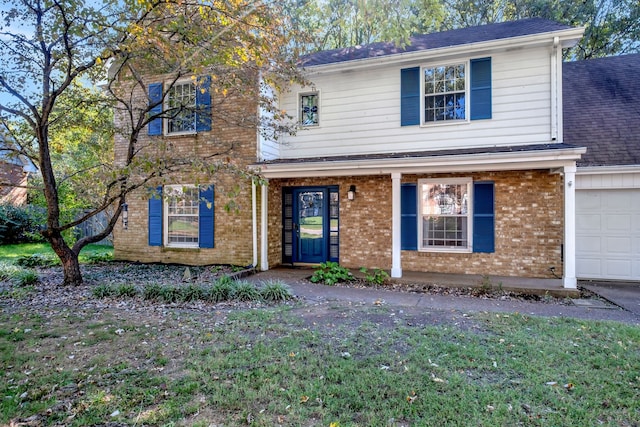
x=516 y=157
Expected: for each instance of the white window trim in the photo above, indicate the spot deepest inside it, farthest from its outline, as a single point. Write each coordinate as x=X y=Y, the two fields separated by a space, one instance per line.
x=165 y=219
x=467 y=92
x=165 y=106
x=298 y=105
x=449 y=249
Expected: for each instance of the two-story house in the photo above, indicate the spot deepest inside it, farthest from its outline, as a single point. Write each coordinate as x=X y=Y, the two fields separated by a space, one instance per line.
x=444 y=156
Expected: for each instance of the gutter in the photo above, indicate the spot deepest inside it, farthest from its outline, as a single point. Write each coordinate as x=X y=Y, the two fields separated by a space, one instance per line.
x=603 y=170
x=542 y=159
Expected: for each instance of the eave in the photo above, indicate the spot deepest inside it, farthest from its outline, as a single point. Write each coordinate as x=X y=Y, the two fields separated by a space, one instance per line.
x=525 y=160
x=566 y=39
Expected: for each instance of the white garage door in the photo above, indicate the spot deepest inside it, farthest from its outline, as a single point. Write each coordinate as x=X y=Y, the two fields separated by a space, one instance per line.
x=608 y=234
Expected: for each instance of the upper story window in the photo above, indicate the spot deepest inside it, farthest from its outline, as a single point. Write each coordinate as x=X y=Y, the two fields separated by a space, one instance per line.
x=309 y=114
x=445 y=215
x=444 y=93
x=181 y=108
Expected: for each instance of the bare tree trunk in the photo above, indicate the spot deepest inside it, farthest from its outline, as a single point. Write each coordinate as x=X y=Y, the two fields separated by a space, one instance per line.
x=69 y=259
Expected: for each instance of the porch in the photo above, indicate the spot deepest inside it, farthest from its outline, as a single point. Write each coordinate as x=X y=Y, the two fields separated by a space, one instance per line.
x=520 y=285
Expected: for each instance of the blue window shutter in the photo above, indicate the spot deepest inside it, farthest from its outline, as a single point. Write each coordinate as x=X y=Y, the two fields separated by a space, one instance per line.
x=408 y=217
x=155 y=100
x=410 y=96
x=483 y=217
x=203 y=104
x=206 y=217
x=155 y=219
x=480 y=88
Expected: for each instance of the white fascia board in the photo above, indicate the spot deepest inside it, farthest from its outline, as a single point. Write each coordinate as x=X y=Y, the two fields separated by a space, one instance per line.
x=567 y=38
x=605 y=170
x=544 y=159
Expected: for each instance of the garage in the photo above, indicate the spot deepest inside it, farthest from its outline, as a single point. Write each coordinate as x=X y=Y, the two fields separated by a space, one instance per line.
x=608 y=233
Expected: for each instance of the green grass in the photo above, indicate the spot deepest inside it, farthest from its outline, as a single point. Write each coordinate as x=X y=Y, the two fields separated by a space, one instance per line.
x=11 y=253
x=272 y=368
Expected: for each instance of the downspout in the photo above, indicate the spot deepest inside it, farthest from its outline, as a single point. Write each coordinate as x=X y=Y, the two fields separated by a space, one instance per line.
x=254 y=223
x=264 y=239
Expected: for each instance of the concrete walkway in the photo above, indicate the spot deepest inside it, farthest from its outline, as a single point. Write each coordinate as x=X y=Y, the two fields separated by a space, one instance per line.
x=593 y=309
x=622 y=294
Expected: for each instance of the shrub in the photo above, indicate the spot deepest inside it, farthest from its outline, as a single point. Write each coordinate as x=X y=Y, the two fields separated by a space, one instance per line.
x=375 y=277
x=245 y=291
x=17 y=224
x=97 y=257
x=276 y=291
x=331 y=273
x=38 y=260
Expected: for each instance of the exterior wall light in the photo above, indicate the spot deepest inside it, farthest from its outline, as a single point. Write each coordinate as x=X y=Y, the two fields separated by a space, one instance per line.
x=125 y=216
x=351 y=194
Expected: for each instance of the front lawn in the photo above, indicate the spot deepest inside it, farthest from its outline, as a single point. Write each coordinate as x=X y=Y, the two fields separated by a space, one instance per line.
x=10 y=253
x=128 y=362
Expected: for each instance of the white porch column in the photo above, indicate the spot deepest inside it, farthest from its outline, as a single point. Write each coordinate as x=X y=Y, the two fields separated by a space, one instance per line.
x=396 y=263
x=569 y=277
x=254 y=225
x=264 y=236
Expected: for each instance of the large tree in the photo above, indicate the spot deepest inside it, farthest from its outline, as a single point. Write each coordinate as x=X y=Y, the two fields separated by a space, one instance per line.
x=612 y=27
x=333 y=24
x=51 y=48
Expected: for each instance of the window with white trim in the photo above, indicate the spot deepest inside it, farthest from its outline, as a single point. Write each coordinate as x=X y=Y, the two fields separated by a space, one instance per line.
x=182 y=211
x=309 y=114
x=445 y=217
x=181 y=108
x=445 y=95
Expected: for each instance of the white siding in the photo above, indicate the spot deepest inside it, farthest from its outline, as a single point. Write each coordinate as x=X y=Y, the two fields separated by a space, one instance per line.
x=607 y=181
x=360 y=111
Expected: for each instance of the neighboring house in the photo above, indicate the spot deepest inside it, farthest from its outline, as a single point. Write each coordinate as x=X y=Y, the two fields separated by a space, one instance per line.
x=602 y=112
x=445 y=156
x=13 y=182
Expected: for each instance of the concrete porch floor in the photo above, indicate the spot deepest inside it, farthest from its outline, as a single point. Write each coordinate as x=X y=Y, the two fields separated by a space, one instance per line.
x=522 y=285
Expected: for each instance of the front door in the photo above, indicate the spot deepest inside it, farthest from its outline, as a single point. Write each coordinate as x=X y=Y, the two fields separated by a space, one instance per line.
x=310 y=224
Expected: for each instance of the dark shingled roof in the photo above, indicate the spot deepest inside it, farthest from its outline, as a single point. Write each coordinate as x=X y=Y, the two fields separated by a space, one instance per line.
x=458 y=37
x=425 y=154
x=601 y=104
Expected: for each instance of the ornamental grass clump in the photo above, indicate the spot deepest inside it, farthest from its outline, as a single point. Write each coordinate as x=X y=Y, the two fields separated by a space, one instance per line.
x=245 y=291
x=275 y=292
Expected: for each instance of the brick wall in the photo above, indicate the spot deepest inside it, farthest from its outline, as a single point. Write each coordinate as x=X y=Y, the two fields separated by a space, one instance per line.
x=232 y=142
x=528 y=225
x=13 y=181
